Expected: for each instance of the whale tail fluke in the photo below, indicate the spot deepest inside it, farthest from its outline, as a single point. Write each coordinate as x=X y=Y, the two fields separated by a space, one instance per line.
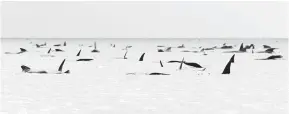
x=142 y=56
x=161 y=63
x=25 y=68
x=181 y=66
x=227 y=69
x=78 y=53
x=61 y=66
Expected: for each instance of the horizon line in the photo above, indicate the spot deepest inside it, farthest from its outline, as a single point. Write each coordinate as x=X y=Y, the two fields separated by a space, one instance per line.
x=146 y=38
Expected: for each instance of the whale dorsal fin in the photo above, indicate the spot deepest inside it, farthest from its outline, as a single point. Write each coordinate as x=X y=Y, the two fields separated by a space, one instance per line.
x=266 y=46
x=168 y=49
x=64 y=44
x=181 y=66
x=125 y=55
x=227 y=69
x=161 y=63
x=23 y=50
x=94 y=45
x=25 y=68
x=142 y=56
x=61 y=66
x=78 y=53
x=202 y=50
x=49 y=50
x=253 y=46
x=241 y=47
x=232 y=58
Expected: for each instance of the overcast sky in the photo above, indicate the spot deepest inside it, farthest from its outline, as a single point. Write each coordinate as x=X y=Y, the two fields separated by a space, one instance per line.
x=144 y=19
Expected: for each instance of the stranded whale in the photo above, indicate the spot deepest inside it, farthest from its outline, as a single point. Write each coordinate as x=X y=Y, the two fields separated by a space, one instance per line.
x=22 y=50
x=241 y=49
x=26 y=69
x=59 y=50
x=168 y=49
x=85 y=59
x=272 y=57
x=182 y=46
x=192 y=64
x=40 y=45
x=152 y=73
x=57 y=45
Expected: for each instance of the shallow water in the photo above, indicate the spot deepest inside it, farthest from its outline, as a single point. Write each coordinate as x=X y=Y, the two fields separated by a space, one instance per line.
x=101 y=86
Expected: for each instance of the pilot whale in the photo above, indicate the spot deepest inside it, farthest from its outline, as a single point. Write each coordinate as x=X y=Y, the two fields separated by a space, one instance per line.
x=22 y=50
x=82 y=59
x=241 y=49
x=269 y=50
x=57 y=45
x=168 y=49
x=40 y=45
x=272 y=57
x=27 y=69
x=152 y=73
x=192 y=64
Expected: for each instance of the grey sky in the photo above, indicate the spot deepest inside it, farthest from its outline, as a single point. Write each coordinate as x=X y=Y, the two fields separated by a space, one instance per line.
x=144 y=19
